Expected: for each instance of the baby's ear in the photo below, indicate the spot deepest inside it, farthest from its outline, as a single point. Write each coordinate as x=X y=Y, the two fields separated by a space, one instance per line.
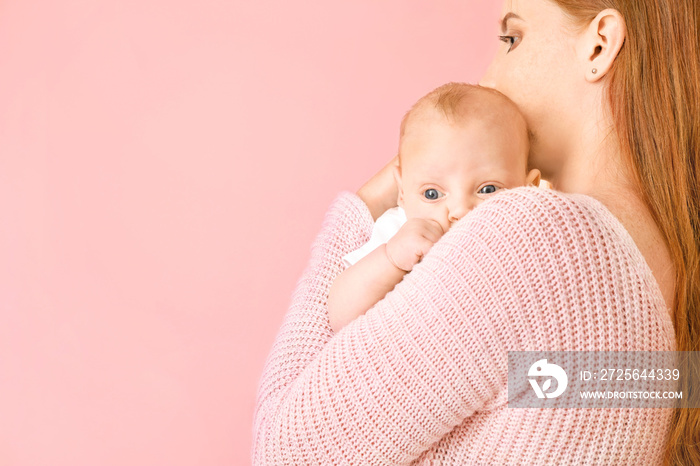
x=397 y=179
x=533 y=177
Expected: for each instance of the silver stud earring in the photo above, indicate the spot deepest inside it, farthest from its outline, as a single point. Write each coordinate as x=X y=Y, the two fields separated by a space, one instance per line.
x=594 y=70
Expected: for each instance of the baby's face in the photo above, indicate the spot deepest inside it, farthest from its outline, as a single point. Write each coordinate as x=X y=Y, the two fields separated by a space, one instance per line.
x=448 y=168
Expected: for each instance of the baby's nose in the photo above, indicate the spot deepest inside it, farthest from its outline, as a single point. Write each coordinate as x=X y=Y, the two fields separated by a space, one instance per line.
x=459 y=211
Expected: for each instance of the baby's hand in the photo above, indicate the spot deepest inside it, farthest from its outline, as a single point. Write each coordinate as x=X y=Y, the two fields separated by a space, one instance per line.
x=413 y=241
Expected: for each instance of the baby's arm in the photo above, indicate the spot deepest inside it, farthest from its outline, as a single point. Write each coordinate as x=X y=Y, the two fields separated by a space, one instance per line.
x=362 y=285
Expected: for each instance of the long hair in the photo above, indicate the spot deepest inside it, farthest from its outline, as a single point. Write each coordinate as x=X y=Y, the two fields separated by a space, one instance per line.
x=654 y=98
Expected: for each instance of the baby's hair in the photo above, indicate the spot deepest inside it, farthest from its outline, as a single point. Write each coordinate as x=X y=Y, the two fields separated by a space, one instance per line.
x=458 y=102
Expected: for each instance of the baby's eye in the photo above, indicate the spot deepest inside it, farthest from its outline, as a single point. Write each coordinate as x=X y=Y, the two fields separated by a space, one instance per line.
x=488 y=189
x=432 y=194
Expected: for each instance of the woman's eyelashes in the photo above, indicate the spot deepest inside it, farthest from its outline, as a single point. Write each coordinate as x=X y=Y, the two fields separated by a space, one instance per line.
x=512 y=41
x=432 y=194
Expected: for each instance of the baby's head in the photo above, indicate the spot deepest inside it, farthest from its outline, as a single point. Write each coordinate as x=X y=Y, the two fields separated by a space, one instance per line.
x=458 y=145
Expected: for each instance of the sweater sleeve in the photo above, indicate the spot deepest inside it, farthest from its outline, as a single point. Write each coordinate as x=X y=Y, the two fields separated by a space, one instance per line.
x=400 y=377
x=306 y=329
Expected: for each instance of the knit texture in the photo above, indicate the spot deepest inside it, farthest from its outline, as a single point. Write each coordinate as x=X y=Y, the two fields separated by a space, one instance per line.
x=421 y=378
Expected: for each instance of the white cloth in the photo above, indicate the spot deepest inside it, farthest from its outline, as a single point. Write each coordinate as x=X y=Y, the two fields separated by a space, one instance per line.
x=386 y=226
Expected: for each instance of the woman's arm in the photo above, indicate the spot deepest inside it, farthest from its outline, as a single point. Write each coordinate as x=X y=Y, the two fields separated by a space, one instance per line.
x=305 y=329
x=527 y=270
x=380 y=193
x=403 y=375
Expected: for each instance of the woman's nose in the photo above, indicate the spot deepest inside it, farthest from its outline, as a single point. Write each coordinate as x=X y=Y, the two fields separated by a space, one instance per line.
x=487 y=80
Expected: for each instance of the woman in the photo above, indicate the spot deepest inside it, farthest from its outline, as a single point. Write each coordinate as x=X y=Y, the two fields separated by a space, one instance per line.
x=610 y=91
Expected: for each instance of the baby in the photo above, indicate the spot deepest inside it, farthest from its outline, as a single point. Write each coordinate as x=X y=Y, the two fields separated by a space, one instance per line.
x=458 y=146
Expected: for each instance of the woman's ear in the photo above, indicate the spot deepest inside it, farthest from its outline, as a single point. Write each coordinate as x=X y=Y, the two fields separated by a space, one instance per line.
x=601 y=42
x=533 y=177
x=397 y=178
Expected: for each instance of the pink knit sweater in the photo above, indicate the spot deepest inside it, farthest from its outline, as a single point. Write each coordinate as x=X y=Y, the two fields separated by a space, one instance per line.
x=421 y=377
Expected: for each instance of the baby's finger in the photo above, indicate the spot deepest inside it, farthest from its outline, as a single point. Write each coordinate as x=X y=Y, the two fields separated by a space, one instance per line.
x=433 y=230
x=423 y=246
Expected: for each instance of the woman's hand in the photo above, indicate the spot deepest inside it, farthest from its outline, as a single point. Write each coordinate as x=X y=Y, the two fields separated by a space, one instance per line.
x=380 y=193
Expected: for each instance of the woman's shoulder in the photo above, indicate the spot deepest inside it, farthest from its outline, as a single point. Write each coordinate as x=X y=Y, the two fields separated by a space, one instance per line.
x=535 y=213
x=562 y=253
x=574 y=234
x=577 y=217
x=531 y=203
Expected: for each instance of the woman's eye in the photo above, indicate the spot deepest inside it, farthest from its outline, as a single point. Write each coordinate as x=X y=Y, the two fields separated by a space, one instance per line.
x=510 y=40
x=432 y=194
x=488 y=189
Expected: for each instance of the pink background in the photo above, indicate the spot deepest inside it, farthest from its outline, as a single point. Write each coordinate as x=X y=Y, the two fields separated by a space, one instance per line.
x=164 y=167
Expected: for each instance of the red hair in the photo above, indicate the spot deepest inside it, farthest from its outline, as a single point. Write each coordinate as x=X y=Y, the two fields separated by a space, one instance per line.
x=654 y=97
